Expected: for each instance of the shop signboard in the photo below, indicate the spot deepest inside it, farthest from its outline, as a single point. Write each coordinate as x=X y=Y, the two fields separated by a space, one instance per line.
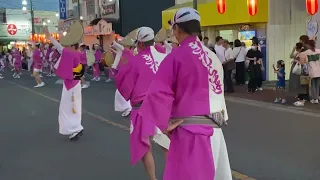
x=110 y=9
x=102 y=28
x=15 y=31
x=62 y=9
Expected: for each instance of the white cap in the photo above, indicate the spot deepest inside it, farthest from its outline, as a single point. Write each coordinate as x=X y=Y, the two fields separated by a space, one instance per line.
x=184 y=15
x=145 y=34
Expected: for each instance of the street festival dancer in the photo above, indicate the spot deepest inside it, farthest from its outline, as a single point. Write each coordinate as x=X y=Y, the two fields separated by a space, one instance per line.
x=121 y=104
x=37 y=65
x=17 y=62
x=193 y=103
x=70 y=70
x=132 y=81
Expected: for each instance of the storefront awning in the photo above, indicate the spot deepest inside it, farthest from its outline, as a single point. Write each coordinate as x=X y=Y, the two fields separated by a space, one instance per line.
x=236 y=13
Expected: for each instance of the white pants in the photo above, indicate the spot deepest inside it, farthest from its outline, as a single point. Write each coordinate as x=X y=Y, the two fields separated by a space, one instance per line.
x=29 y=64
x=69 y=121
x=120 y=104
x=220 y=156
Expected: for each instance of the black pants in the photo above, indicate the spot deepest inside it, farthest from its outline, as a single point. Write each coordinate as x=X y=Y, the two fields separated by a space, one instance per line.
x=228 y=81
x=259 y=80
x=240 y=73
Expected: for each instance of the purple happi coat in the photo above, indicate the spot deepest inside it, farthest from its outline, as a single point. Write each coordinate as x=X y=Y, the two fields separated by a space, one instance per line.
x=83 y=57
x=37 y=61
x=132 y=80
x=17 y=58
x=69 y=60
x=185 y=85
x=49 y=50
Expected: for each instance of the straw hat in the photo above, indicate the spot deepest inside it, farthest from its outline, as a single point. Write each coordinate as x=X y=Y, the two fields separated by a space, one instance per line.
x=161 y=35
x=72 y=32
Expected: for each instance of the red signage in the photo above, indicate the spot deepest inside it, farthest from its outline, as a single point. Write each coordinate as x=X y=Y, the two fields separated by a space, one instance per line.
x=12 y=29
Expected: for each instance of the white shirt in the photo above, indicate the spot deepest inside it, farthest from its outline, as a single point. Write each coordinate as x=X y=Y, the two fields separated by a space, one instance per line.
x=220 y=52
x=240 y=54
x=228 y=54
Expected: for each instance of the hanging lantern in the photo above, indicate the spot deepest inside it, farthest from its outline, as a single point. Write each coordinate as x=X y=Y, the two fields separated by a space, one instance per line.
x=252 y=7
x=312 y=6
x=221 y=5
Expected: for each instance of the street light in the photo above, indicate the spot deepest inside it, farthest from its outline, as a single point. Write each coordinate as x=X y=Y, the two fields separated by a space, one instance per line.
x=195 y=4
x=24 y=8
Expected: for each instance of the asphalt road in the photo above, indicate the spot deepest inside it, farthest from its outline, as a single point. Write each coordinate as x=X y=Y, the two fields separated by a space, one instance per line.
x=263 y=143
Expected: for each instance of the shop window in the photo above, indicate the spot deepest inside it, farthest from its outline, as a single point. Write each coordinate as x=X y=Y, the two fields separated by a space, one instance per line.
x=3 y=16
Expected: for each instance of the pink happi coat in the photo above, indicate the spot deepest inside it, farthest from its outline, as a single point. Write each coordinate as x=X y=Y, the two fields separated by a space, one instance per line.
x=37 y=61
x=17 y=58
x=132 y=80
x=159 y=47
x=83 y=57
x=184 y=86
x=49 y=50
x=53 y=60
x=69 y=60
x=96 y=65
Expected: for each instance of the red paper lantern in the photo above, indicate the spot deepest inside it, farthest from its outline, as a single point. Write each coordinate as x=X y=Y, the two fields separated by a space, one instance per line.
x=221 y=5
x=312 y=6
x=252 y=7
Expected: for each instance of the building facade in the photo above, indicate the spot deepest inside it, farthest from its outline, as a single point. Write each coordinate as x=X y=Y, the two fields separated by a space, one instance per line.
x=15 y=25
x=277 y=24
x=126 y=15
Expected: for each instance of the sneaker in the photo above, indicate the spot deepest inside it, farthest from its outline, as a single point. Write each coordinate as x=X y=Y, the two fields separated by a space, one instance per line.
x=75 y=136
x=108 y=80
x=277 y=100
x=126 y=112
x=260 y=89
x=85 y=86
x=39 y=85
x=16 y=77
x=314 y=101
x=283 y=101
x=94 y=79
x=97 y=79
x=298 y=103
x=1 y=77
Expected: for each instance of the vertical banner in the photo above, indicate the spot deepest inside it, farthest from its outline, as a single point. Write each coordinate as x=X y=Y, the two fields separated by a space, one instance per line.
x=62 y=9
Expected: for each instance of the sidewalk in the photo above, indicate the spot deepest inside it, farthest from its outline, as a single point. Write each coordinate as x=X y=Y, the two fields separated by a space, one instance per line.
x=268 y=95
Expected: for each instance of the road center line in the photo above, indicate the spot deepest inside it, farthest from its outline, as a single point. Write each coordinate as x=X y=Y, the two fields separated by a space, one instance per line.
x=235 y=174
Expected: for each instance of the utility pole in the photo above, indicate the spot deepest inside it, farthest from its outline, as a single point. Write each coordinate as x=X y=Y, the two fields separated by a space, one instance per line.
x=79 y=13
x=195 y=4
x=24 y=8
x=32 y=18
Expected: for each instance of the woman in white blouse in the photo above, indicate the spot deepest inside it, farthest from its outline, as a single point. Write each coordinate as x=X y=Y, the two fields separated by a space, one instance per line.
x=239 y=53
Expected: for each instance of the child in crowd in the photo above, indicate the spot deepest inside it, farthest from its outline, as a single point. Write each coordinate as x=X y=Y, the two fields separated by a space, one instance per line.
x=281 y=83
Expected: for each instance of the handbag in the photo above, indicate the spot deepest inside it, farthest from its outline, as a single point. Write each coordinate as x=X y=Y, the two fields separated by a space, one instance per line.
x=231 y=64
x=305 y=80
x=296 y=69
